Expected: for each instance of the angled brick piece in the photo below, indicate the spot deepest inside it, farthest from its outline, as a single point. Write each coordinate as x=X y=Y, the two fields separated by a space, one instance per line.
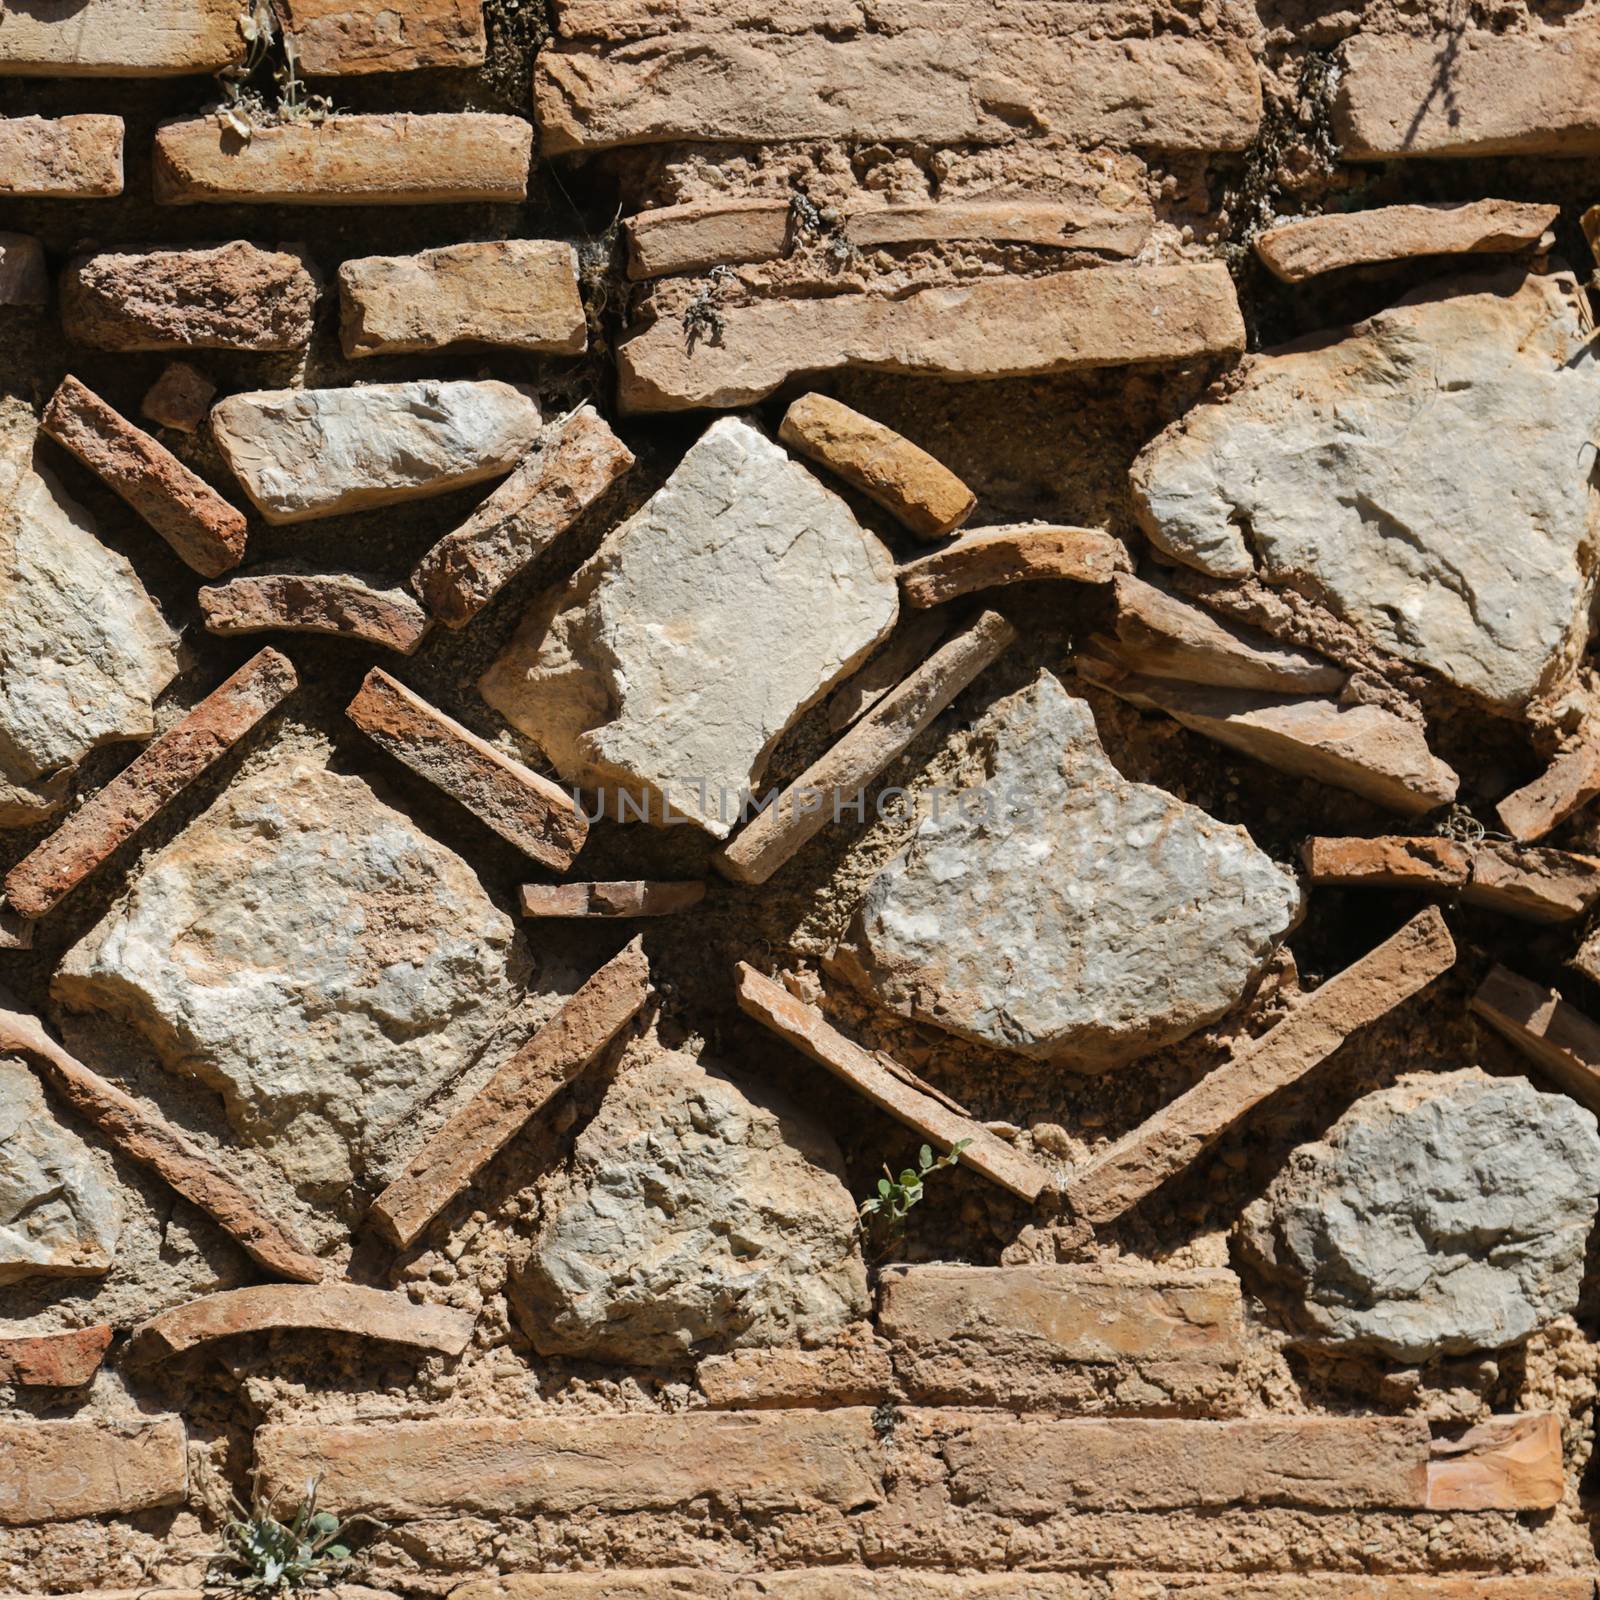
x=55 y=1471
x=326 y=1307
x=154 y=778
x=1508 y=1463
x=387 y=158
x=923 y=493
x=340 y=38
x=121 y=38
x=1111 y=1183
x=1024 y=552
x=148 y=1138
x=627 y=897
x=1390 y=861
x=60 y=158
x=887 y=1084
x=556 y=1054
x=1566 y=786
x=576 y=461
x=54 y=1360
x=879 y=738
x=1554 y=1035
x=338 y=605
x=204 y=530
x=525 y=809
x=762 y=1461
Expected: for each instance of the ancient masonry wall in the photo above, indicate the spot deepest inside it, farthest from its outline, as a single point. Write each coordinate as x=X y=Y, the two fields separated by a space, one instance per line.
x=1119 y=476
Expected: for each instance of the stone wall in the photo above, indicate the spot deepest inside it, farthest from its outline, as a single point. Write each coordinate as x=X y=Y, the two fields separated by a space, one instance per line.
x=1118 y=478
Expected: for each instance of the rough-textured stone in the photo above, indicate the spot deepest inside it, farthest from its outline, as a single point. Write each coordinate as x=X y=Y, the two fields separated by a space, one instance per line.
x=922 y=1583
x=121 y=38
x=306 y=951
x=1419 y=472
x=60 y=1214
x=1518 y=92
x=220 y=297
x=73 y=674
x=1366 y=749
x=1447 y=1214
x=344 y=1308
x=1566 y=786
x=1151 y=920
x=520 y=293
x=736 y=597
x=148 y=1138
x=179 y=398
x=625 y=897
x=24 y=277
x=336 y=38
x=574 y=463
x=61 y=158
x=340 y=605
x=993 y=328
x=391 y=158
x=156 y=776
x=1165 y=637
x=1118 y=1178
x=706 y=233
x=753 y=1462
x=1342 y=1586
x=304 y=453
x=206 y=532
x=699 y=1216
x=1024 y=552
x=834 y=781
x=1559 y=1038
x=1388 y=862
x=561 y=1049
x=55 y=1471
x=1538 y=884
x=54 y=1360
x=1301 y=249
x=923 y=493
x=525 y=809
x=972 y=82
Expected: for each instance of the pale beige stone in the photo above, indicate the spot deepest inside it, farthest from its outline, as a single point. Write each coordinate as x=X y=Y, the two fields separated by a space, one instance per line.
x=994 y=328
x=121 y=38
x=61 y=158
x=517 y=293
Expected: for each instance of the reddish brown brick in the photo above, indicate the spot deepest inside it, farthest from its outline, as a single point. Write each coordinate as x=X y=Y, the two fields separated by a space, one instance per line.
x=54 y=1360
x=55 y=1471
x=1024 y=553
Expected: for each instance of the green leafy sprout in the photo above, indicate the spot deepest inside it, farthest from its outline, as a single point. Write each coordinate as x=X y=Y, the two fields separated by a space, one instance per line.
x=896 y=1196
x=262 y=1554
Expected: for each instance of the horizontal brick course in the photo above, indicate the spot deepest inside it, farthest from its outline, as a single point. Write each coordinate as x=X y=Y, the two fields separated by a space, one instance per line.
x=54 y=1471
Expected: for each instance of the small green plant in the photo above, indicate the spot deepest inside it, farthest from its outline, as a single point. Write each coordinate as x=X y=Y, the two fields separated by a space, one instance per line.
x=246 y=107
x=896 y=1196
x=262 y=1554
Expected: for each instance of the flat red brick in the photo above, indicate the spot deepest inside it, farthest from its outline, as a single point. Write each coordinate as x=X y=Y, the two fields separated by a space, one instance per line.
x=187 y=512
x=149 y=783
x=1388 y=862
x=525 y=809
x=55 y=1471
x=337 y=605
x=54 y=1360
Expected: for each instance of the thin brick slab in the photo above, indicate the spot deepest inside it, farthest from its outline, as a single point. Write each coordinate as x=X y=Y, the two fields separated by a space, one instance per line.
x=923 y=493
x=1509 y=1463
x=629 y=897
x=525 y=809
x=206 y=532
x=148 y=1138
x=55 y=1471
x=149 y=783
x=1388 y=862
x=887 y=1084
x=561 y=1049
x=1557 y=1037
x=54 y=1360
x=997 y=328
x=341 y=38
x=1176 y=1136
x=881 y=737
x=388 y=158
x=337 y=605
x=24 y=277
x=521 y=294
x=760 y=1461
x=1537 y=884
x=60 y=158
x=342 y=1308
x=1308 y=246
x=1529 y=93
x=576 y=461
x=121 y=38
x=1566 y=786
x=1024 y=552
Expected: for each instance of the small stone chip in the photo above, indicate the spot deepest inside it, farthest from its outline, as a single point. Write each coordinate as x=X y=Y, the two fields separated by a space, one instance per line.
x=923 y=493
x=204 y=530
x=179 y=398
